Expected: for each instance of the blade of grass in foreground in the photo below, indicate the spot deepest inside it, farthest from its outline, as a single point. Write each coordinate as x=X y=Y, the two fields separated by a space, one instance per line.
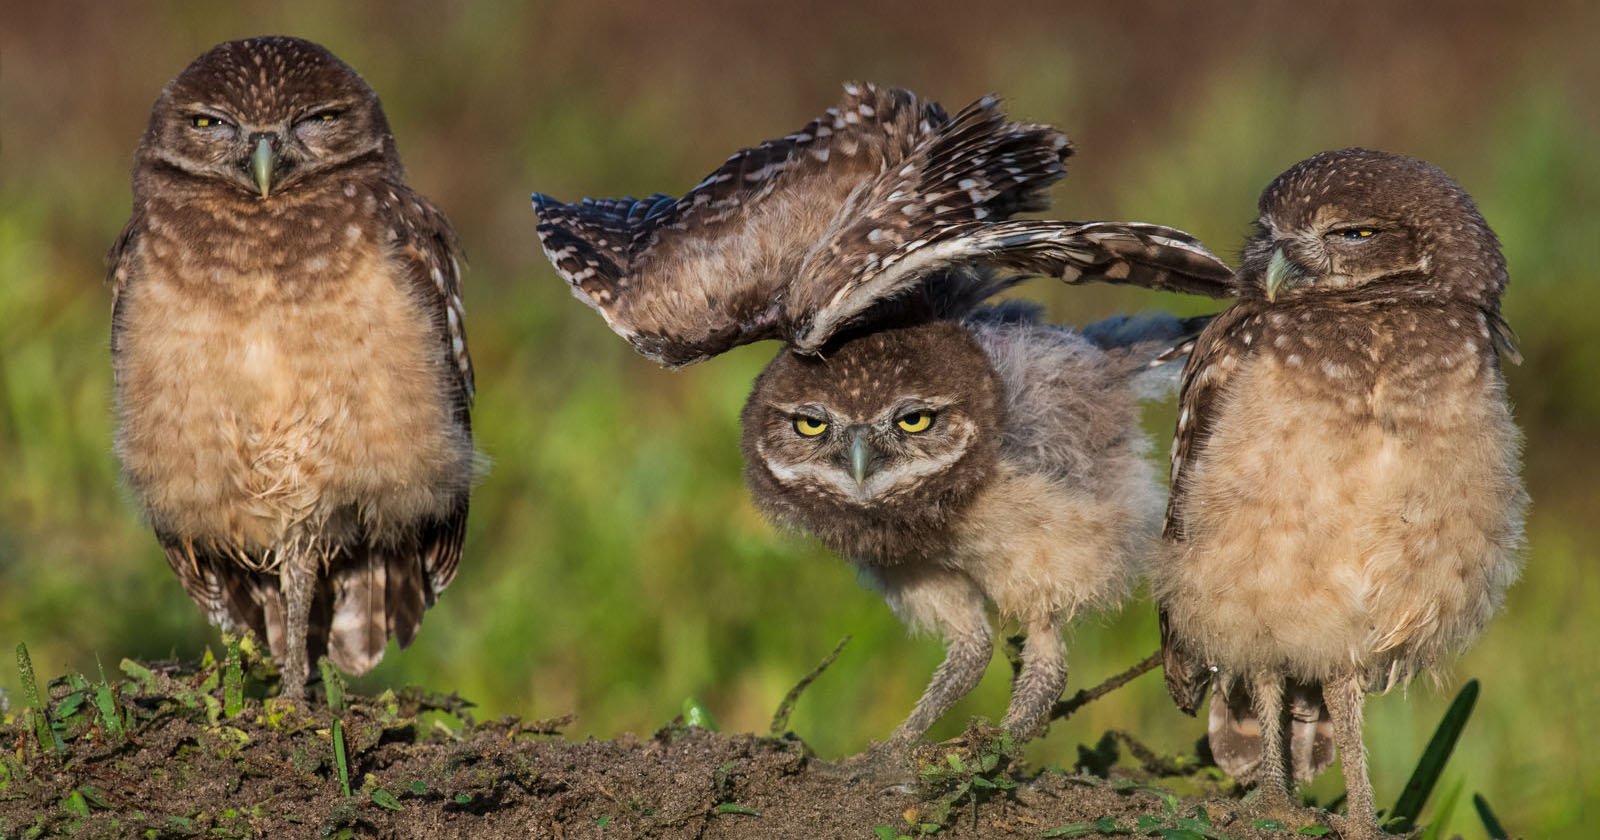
x=48 y=739
x=1431 y=766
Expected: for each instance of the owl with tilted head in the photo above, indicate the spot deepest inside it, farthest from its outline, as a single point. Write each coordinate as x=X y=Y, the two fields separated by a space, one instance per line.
x=292 y=377
x=966 y=457
x=1346 y=506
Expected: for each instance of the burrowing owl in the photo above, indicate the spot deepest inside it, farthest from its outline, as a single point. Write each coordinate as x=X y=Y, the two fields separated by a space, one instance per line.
x=1346 y=506
x=957 y=454
x=292 y=375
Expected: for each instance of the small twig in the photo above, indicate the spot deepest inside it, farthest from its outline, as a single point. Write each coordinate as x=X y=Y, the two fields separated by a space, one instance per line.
x=780 y=718
x=1064 y=709
x=1153 y=763
x=552 y=726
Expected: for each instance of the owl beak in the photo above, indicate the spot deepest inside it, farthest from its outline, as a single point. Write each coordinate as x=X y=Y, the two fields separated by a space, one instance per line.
x=860 y=457
x=1282 y=272
x=262 y=163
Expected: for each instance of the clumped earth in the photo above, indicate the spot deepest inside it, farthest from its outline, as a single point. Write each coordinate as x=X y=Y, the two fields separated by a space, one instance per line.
x=202 y=751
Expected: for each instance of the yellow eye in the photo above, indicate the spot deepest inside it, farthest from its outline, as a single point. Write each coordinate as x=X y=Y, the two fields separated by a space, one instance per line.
x=1360 y=233
x=204 y=121
x=328 y=116
x=810 y=426
x=915 y=421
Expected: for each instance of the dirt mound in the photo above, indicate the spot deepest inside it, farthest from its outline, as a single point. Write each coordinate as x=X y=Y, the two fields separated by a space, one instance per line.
x=196 y=751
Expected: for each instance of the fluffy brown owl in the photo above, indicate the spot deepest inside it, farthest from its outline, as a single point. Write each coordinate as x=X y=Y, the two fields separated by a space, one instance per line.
x=292 y=378
x=1346 y=506
x=960 y=456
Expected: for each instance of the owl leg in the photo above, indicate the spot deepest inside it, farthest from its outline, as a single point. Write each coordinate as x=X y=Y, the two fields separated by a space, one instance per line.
x=1044 y=675
x=949 y=601
x=1272 y=778
x=299 y=586
x=1345 y=697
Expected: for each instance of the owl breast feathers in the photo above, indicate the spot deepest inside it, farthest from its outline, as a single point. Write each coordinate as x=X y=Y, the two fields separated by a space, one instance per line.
x=292 y=377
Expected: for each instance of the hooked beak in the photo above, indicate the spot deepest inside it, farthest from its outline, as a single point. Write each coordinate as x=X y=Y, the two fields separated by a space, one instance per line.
x=1281 y=273
x=263 y=162
x=860 y=457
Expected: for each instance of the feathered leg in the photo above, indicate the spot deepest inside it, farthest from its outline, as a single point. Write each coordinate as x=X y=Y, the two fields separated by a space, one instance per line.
x=1272 y=778
x=299 y=584
x=950 y=602
x=966 y=657
x=1345 y=696
x=1044 y=675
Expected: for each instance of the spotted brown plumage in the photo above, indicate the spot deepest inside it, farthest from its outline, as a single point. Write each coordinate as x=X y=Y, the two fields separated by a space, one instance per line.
x=292 y=377
x=1346 y=506
x=799 y=238
x=958 y=454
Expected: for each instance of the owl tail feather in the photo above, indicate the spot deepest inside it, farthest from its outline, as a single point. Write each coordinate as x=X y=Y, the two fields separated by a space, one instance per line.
x=377 y=593
x=1234 y=732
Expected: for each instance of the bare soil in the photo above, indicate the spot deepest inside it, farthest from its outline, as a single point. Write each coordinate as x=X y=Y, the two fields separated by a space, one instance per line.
x=191 y=761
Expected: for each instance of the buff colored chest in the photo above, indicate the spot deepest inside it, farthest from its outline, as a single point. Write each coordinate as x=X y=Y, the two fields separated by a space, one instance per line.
x=259 y=405
x=1379 y=488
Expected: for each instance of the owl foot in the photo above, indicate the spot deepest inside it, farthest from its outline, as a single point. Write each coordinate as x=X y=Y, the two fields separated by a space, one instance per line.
x=1352 y=828
x=886 y=764
x=1282 y=808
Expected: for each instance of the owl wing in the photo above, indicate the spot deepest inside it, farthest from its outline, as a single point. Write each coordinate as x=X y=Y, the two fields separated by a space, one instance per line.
x=1125 y=253
x=798 y=235
x=431 y=255
x=1216 y=354
x=119 y=267
x=224 y=591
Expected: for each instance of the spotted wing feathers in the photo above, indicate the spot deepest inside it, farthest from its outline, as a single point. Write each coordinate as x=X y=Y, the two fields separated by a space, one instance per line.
x=685 y=279
x=1125 y=253
x=911 y=221
x=794 y=238
x=801 y=237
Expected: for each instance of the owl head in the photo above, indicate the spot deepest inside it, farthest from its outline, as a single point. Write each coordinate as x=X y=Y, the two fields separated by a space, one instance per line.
x=1360 y=223
x=261 y=115
x=875 y=444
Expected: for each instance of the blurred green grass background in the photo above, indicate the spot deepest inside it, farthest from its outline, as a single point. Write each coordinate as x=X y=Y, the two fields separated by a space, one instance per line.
x=614 y=564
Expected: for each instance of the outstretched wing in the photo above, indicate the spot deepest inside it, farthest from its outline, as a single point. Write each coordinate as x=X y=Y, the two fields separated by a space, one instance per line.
x=1127 y=253
x=785 y=230
x=915 y=220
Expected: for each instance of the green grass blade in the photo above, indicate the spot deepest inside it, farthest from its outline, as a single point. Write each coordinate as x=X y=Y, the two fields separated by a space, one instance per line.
x=48 y=739
x=1491 y=823
x=339 y=761
x=1431 y=766
x=105 y=701
x=332 y=685
x=1442 y=814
